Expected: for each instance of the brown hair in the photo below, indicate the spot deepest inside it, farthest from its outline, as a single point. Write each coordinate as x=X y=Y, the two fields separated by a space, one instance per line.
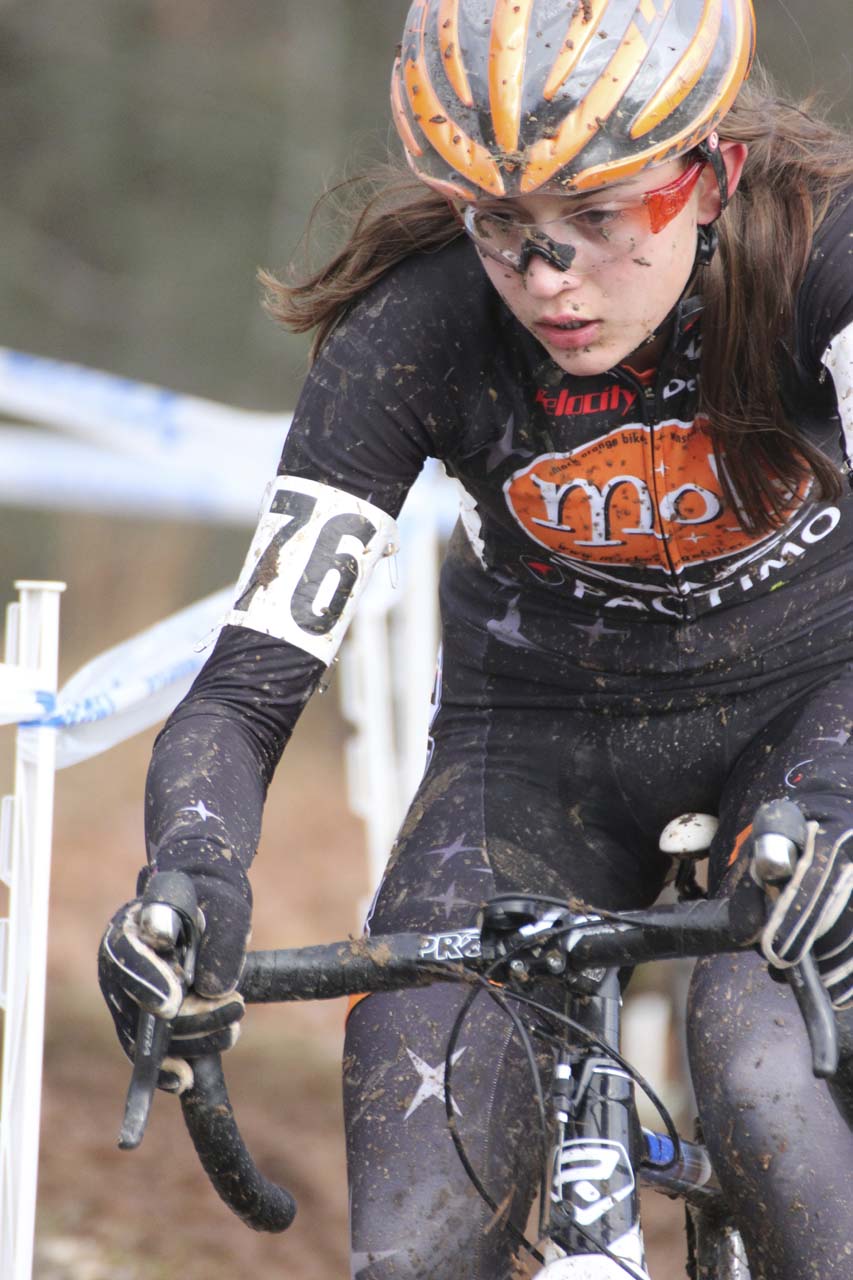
x=797 y=164
x=389 y=214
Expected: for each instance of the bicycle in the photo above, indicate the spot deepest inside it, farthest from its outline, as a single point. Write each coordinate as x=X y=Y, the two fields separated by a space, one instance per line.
x=597 y=1152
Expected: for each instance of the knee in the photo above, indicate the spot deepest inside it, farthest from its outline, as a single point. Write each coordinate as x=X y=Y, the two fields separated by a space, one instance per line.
x=748 y=1051
x=424 y=1234
x=431 y=1227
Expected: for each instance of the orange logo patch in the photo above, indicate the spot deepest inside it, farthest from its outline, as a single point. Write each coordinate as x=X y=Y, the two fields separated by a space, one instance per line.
x=638 y=495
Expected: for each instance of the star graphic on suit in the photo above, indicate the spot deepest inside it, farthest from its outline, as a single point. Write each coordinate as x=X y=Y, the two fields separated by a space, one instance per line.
x=432 y=1081
x=503 y=447
x=597 y=629
x=201 y=809
x=842 y=737
x=508 y=628
x=449 y=851
x=449 y=900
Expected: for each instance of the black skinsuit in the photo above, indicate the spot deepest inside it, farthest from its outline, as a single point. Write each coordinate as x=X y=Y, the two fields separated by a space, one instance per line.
x=617 y=650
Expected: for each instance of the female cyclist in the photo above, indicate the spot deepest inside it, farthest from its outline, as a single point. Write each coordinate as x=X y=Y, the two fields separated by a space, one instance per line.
x=616 y=300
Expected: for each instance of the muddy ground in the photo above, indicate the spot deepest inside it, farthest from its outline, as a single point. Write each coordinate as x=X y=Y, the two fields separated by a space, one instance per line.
x=150 y=1215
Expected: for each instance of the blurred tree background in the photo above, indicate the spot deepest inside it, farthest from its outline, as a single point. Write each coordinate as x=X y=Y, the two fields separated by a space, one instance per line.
x=154 y=154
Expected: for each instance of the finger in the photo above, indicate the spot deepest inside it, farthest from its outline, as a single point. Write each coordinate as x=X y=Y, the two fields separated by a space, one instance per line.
x=147 y=977
x=198 y=1015
x=197 y=1044
x=835 y=899
x=791 y=924
x=834 y=955
x=176 y=1075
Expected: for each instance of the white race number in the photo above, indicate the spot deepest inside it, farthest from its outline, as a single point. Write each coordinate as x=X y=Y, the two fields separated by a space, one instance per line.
x=312 y=553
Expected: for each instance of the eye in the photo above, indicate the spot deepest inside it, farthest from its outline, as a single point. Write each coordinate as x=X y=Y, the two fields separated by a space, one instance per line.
x=498 y=218
x=593 y=219
x=500 y=226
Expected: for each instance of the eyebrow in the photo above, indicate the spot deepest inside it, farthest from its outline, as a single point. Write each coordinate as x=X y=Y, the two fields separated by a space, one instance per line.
x=576 y=203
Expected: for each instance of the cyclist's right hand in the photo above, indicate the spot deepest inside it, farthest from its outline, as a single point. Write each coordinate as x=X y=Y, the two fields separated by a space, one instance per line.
x=133 y=976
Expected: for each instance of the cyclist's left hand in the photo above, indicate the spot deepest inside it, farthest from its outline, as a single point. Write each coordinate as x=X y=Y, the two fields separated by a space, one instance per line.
x=132 y=976
x=814 y=911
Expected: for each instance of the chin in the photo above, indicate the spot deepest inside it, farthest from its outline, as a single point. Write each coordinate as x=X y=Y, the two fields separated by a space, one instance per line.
x=588 y=363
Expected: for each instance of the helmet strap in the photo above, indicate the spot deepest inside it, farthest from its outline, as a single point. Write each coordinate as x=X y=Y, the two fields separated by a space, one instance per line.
x=710 y=152
x=706 y=244
x=709 y=239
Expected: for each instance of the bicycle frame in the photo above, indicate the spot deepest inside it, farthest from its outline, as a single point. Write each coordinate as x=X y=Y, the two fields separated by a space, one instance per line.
x=594 y=1188
x=593 y=1099
x=601 y=1156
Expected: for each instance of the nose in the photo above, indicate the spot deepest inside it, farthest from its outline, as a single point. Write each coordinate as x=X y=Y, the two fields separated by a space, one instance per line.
x=545 y=280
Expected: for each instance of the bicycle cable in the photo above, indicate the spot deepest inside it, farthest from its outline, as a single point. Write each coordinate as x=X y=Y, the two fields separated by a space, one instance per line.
x=552 y=934
x=483 y=984
x=501 y=996
x=637 y=1078
x=624 y=1264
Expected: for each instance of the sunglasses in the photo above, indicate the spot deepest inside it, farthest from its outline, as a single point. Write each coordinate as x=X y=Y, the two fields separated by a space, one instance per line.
x=583 y=241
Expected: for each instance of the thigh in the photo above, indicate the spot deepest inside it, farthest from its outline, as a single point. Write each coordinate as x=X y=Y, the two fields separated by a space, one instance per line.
x=414 y=1212
x=779 y=1141
x=502 y=808
x=519 y=801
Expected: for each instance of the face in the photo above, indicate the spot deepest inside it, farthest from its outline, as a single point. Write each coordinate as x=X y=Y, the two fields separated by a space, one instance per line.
x=593 y=318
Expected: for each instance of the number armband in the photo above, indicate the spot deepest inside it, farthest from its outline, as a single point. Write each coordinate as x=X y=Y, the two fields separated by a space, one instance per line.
x=310 y=558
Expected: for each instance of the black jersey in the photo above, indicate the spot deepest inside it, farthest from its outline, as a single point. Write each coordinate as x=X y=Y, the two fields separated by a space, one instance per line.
x=597 y=562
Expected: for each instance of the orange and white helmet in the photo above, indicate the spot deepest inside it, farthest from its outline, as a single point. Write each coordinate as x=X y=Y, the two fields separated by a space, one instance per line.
x=510 y=97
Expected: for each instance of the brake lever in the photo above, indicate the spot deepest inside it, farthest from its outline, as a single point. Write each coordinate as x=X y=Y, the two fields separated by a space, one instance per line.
x=818 y=1015
x=168 y=923
x=779 y=834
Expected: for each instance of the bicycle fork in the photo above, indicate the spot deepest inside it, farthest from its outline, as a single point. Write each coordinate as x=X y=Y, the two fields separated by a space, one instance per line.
x=595 y=1220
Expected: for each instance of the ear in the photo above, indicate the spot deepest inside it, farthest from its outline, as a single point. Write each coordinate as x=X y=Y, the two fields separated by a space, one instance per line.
x=734 y=158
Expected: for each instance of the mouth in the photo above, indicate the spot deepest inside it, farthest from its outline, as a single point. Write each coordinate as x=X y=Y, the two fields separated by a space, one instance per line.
x=563 y=322
x=567 y=332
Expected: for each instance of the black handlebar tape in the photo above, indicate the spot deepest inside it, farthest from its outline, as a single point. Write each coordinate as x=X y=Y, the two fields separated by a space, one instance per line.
x=209 y=1117
x=384 y=963
x=692 y=929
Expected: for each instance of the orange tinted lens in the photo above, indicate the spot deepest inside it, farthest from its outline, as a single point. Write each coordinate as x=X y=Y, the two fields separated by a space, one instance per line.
x=666 y=203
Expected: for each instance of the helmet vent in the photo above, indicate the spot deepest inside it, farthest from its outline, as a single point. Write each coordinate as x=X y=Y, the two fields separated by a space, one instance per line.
x=507 y=50
x=448 y=43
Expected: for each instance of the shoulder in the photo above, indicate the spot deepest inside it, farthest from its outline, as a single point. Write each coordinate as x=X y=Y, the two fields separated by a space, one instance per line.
x=419 y=342
x=836 y=228
x=427 y=298
x=825 y=300
x=399 y=378
x=830 y=265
